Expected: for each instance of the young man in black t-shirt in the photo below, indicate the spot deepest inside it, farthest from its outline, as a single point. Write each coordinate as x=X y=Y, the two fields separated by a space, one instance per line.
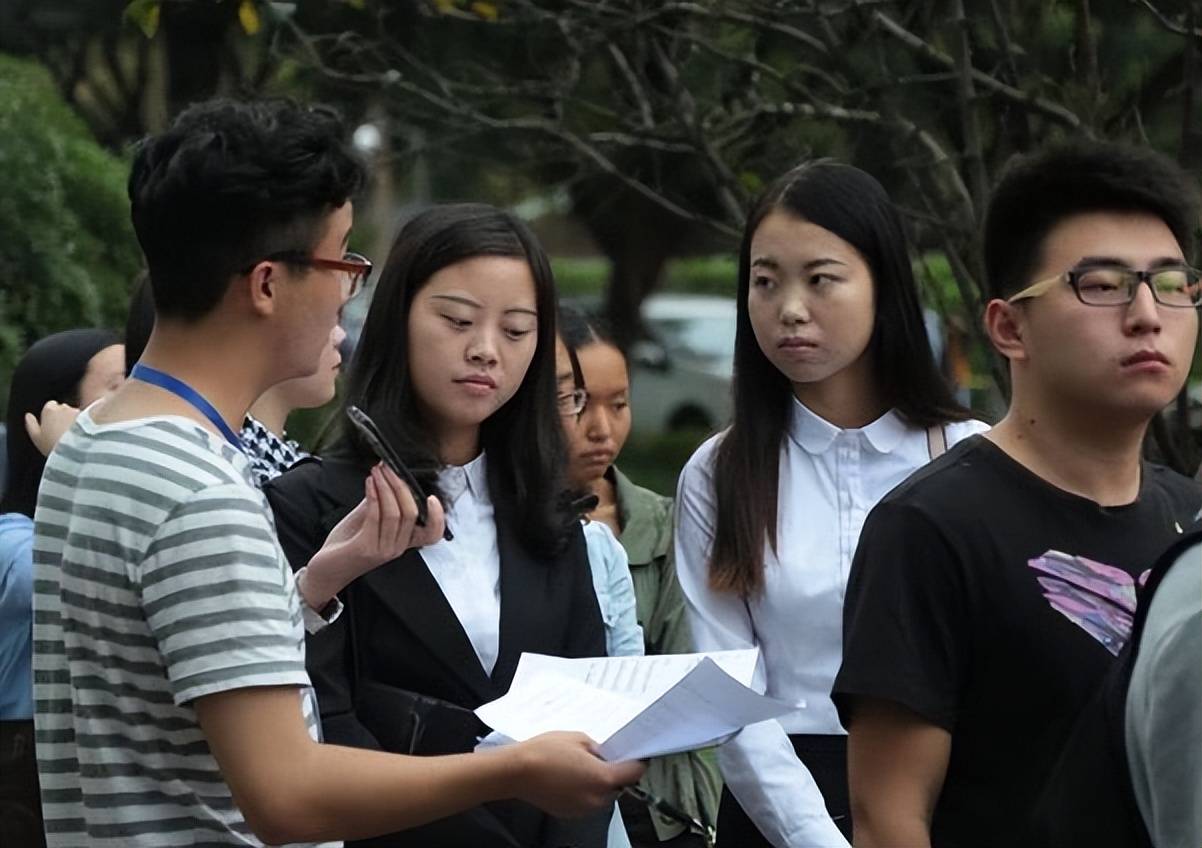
x=992 y=589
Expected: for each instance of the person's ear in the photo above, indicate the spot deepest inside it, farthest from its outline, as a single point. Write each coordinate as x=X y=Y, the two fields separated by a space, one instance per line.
x=1005 y=324
x=262 y=286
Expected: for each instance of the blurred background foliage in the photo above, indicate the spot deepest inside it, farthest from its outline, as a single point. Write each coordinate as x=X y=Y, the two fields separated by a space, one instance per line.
x=67 y=249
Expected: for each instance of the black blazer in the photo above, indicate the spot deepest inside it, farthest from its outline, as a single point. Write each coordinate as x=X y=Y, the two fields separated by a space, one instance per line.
x=397 y=672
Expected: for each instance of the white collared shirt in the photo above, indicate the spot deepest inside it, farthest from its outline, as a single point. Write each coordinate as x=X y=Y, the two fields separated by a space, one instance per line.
x=468 y=568
x=829 y=481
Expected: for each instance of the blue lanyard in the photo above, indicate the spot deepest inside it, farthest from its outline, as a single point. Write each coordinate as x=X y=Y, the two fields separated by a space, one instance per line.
x=178 y=387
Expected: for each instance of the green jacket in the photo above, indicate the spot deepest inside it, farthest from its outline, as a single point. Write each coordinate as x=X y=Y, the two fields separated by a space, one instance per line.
x=689 y=781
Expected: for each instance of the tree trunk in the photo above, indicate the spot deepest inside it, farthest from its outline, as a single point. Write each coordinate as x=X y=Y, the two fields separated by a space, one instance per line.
x=634 y=275
x=638 y=237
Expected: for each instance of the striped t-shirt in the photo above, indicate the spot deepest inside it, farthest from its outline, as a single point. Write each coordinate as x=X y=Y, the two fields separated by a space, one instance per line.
x=158 y=579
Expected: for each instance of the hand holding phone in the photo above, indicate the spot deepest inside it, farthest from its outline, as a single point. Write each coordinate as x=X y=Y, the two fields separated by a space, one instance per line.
x=379 y=530
x=375 y=440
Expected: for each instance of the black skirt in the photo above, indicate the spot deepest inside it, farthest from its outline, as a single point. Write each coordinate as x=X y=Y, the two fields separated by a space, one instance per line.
x=826 y=758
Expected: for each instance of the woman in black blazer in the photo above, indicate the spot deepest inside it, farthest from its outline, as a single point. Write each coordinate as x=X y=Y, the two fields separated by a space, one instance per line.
x=456 y=364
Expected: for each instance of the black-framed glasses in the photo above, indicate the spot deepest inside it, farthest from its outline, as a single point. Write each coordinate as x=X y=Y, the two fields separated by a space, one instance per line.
x=1175 y=286
x=355 y=267
x=571 y=403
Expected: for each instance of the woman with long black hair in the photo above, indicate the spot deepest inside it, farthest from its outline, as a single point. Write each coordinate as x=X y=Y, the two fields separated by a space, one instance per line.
x=836 y=400
x=456 y=365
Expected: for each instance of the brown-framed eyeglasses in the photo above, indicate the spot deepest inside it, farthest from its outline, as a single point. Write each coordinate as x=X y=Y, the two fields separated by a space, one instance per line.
x=355 y=266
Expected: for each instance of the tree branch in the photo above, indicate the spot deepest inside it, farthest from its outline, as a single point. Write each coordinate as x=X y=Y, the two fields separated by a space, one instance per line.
x=1021 y=129
x=765 y=69
x=451 y=107
x=719 y=14
x=1190 y=29
x=1088 y=49
x=728 y=187
x=969 y=287
x=1041 y=105
x=1003 y=37
x=646 y=116
x=1190 y=154
x=966 y=95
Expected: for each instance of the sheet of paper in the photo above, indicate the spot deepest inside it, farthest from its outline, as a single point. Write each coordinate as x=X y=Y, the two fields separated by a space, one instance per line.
x=633 y=707
x=636 y=675
x=704 y=707
x=554 y=702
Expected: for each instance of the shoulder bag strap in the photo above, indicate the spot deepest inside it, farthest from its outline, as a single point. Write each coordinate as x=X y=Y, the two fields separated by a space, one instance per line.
x=936 y=441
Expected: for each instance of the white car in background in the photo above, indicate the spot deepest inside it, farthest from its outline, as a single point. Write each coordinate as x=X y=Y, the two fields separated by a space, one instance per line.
x=680 y=377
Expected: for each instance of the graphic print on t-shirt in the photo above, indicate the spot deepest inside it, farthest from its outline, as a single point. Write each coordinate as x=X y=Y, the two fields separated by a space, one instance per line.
x=1098 y=598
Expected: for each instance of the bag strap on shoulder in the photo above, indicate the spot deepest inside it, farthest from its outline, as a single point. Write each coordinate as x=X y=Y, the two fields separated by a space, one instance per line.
x=936 y=441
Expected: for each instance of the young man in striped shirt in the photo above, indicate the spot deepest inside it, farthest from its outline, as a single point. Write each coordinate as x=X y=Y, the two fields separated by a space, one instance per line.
x=172 y=703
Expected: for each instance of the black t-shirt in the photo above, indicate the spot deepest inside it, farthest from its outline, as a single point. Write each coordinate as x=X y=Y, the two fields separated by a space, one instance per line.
x=946 y=614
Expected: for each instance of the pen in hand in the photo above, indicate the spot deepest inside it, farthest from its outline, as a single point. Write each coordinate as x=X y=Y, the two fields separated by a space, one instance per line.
x=661 y=806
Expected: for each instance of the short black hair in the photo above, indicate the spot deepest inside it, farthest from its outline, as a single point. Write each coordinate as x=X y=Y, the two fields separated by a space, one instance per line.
x=1036 y=192
x=230 y=183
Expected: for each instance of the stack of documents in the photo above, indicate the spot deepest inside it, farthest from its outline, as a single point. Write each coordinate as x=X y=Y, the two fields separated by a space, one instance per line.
x=633 y=707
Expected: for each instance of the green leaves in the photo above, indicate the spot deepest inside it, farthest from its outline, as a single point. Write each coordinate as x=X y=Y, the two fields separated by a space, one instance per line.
x=468 y=9
x=145 y=15
x=248 y=17
x=67 y=250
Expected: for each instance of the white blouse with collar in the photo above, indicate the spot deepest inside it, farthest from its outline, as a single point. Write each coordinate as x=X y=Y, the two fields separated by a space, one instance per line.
x=829 y=480
x=468 y=568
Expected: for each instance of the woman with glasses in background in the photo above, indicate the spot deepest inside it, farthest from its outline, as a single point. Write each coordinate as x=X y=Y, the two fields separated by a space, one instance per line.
x=606 y=558
x=594 y=398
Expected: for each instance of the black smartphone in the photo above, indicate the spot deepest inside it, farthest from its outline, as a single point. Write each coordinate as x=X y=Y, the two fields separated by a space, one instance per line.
x=380 y=447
